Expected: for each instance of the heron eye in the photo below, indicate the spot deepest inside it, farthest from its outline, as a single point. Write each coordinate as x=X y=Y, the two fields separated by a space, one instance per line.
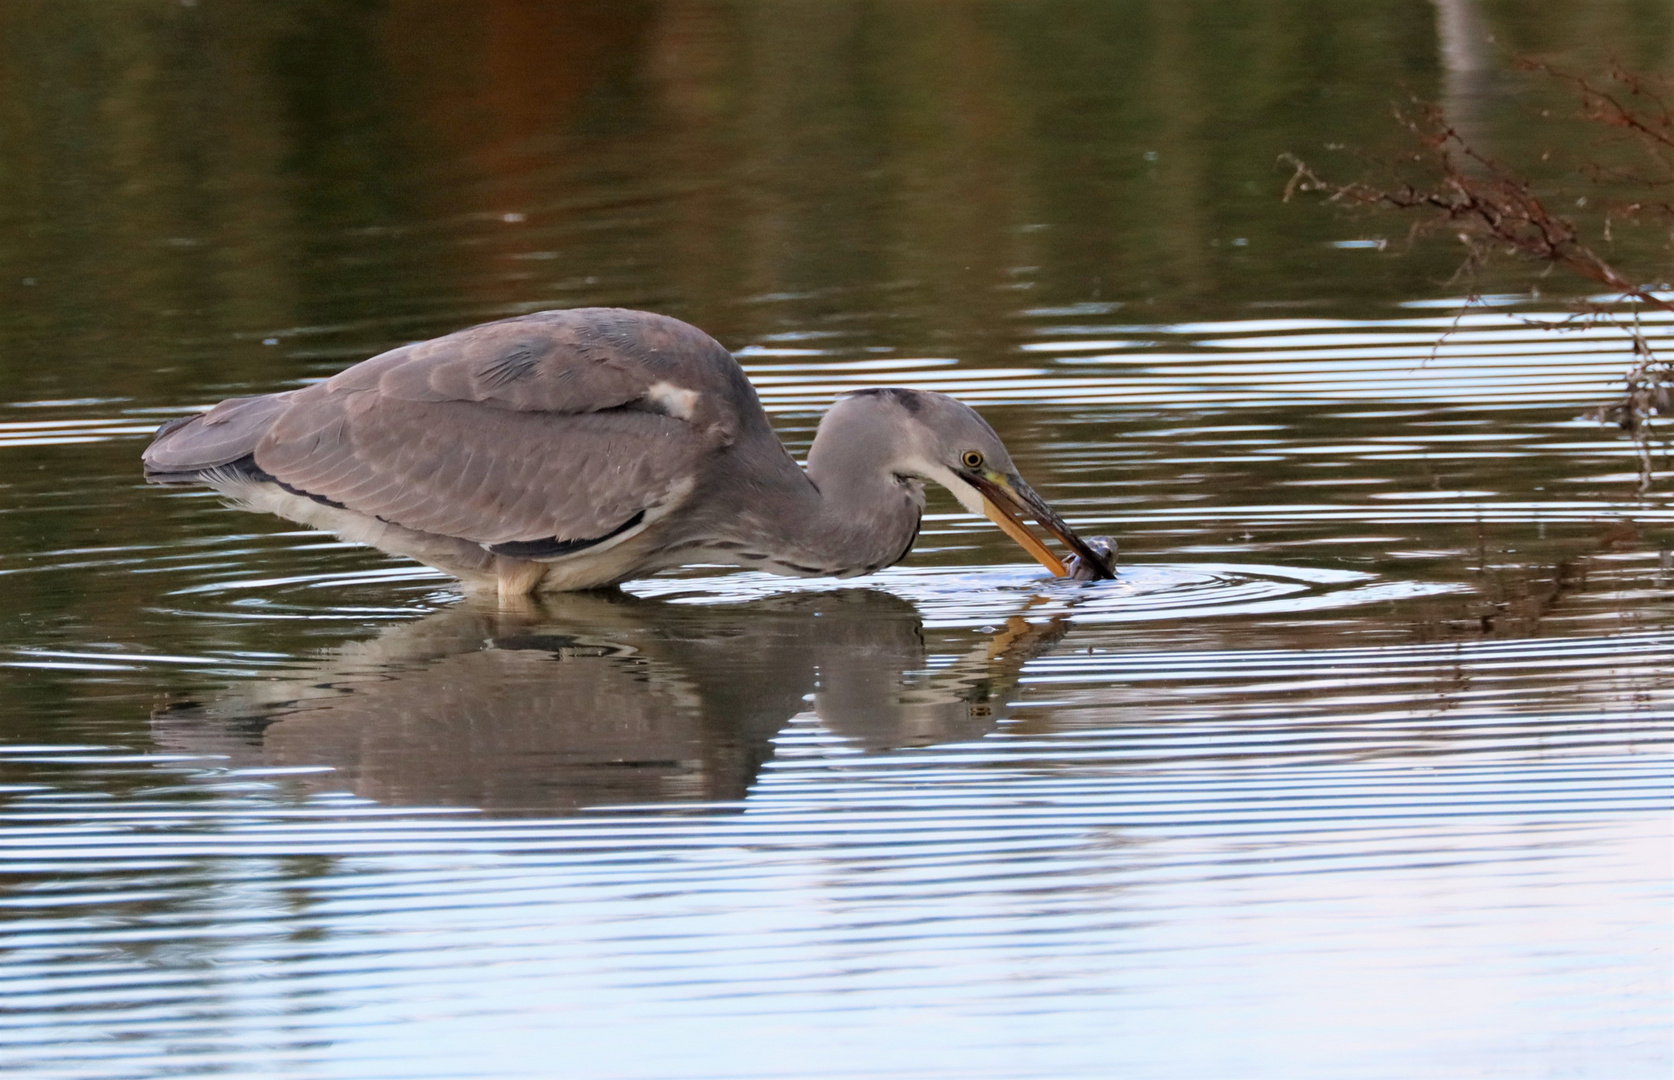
x=973 y=459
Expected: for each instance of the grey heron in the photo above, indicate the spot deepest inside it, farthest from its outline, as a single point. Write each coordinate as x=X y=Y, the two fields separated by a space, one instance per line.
x=575 y=449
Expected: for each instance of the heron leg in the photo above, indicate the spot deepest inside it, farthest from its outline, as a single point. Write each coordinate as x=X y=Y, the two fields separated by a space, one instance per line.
x=518 y=577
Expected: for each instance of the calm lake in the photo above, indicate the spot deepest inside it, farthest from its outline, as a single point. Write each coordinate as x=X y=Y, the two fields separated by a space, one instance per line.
x=1360 y=769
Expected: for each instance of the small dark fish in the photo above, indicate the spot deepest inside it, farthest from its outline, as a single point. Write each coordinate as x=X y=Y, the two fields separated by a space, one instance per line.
x=1104 y=547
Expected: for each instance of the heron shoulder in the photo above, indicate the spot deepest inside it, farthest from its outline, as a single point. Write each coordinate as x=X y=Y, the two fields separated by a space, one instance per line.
x=579 y=360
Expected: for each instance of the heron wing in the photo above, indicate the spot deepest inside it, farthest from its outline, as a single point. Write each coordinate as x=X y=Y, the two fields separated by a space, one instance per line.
x=578 y=361
x=457 y=468
x=560 y=426
x=188 y=445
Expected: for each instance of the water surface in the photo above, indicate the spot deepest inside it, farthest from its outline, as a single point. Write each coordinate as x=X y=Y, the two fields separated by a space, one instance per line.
x=1359 y=769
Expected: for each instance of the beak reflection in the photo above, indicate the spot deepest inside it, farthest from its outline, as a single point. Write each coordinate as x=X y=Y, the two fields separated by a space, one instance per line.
x=1007 y=499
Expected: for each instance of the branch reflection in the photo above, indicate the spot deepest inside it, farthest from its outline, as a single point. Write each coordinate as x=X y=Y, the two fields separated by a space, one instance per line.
x=605 y=699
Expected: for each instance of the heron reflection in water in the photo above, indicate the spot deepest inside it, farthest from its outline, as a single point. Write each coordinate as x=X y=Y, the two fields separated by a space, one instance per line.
x=575 y=449
x=599 y=699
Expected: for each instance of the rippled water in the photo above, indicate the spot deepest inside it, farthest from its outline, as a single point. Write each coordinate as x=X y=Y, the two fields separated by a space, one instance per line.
x=1360 y=768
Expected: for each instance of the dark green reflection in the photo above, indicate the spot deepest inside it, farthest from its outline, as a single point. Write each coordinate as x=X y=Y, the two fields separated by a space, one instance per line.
x=182 y=183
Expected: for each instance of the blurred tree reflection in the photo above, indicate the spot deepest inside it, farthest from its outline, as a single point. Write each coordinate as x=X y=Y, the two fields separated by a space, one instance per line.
x=183 y=181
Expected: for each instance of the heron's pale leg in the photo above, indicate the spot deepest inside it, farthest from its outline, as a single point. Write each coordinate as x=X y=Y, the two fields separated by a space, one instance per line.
x=518 y=578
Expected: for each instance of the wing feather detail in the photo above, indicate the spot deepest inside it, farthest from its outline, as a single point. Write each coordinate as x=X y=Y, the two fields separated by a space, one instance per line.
x=521 y=432
x=547 y=429
x=224 y=434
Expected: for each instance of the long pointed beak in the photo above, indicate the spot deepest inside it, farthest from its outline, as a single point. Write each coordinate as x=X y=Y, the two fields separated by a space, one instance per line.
x=1006 y=498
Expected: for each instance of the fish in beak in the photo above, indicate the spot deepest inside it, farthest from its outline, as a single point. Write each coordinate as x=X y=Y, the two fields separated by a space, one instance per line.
x=1007 y=498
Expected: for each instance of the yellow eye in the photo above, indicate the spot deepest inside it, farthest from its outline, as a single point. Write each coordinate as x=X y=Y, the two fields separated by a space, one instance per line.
x=973 y=459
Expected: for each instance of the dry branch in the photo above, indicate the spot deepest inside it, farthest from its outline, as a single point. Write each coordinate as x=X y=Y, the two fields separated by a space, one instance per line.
x=1495 y=212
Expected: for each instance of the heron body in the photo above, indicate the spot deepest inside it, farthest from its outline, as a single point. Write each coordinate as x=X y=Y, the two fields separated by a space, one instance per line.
x=575 y=449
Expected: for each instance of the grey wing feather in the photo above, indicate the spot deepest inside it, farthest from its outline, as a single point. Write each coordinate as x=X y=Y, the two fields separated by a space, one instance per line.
x=224 y=434
x=459 y=469
x=581 y=360
x=556 y=425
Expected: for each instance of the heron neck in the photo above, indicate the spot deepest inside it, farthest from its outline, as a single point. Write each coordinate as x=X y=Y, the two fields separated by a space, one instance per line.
x=843 y=516
x=867 y=517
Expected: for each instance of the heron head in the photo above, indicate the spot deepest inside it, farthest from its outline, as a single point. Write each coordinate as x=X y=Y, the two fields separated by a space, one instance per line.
x=931 y=436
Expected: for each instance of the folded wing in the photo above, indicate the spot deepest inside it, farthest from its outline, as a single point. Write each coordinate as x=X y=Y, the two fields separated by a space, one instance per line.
x=549 y=428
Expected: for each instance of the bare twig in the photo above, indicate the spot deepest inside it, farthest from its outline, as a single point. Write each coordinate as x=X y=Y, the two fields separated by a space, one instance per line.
x=1490 y=209
x=1455 y=188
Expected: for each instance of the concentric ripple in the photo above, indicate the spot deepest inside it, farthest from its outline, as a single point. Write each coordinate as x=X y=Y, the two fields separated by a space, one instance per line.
x=954 y=596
